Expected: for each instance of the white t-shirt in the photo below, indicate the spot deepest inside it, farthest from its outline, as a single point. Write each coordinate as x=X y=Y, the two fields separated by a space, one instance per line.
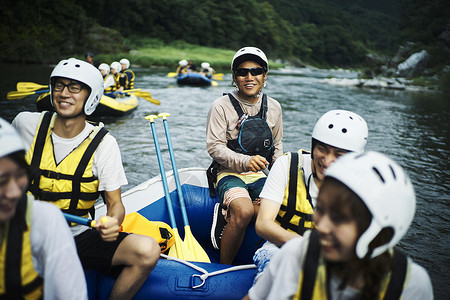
x=54 y=254
x=278 y=178
x=107 y=164
x=280 y=279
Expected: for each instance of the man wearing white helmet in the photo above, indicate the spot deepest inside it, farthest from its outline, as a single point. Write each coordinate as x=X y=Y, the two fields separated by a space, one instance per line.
x=38 y=258
x=290 y=192
x=127 y=76
x=243 y=136
x=72 y=162
x=109 y=82
x=364 y=208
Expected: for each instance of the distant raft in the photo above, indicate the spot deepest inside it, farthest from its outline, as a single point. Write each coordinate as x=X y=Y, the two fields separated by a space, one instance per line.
x=196 y=79
x=108 y=106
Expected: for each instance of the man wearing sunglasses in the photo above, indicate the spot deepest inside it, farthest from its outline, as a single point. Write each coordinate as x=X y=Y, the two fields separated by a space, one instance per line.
x=243 y=136
x=72 y=161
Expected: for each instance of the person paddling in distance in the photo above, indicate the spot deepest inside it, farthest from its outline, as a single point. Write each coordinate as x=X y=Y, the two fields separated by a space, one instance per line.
x=207 y=70
x=127 y=76
x=364 y=208
x=116 y=67
x=72 y=161
x=109 y=82
x=289 y=195
x=182 y=67
x=238 y=164
x=38 y=258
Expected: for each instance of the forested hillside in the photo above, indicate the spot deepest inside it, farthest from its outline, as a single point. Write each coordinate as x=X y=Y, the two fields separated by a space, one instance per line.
x=321 y=32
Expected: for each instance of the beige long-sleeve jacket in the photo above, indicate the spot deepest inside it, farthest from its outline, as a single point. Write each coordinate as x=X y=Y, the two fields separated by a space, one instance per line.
x=222 y=126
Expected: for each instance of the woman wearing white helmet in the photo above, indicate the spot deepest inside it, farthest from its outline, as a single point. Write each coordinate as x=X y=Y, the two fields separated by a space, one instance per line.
x=243 y=137
x=109 y=82
x=87 y=161
x=290 y=192
x=37 y=252
x=127 y=76
x=364 y=208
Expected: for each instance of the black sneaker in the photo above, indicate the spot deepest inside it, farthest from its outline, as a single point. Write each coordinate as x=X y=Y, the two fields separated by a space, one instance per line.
x=218 y=225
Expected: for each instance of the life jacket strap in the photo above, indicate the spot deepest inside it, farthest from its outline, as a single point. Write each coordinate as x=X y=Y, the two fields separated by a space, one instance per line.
x=13 y=280
x=395 y=287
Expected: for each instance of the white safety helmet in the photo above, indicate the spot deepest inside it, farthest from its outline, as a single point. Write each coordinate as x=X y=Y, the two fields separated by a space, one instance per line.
x=116 y=66
x=83 y=72
x=205 y=65
x=104 y=67
x=341 y=129
x=250 y=53
x=183 y=63
x=385 y=189
x=10 y=140
x=125 y=62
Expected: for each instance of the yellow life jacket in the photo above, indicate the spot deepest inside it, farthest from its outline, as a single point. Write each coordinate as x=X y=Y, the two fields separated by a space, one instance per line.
x=116 y=79
x=296 y=211
x=18 y=279
x=312 y=282
x=130 y=79
x=70 y=184
x=160 y=231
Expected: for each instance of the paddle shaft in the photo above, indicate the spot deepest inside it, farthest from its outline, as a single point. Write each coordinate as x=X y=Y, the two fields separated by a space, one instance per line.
x=175 y=169
x=79 y=220
x=163 y=176
x=122 y=92
x=19 y=95
x=196 y=249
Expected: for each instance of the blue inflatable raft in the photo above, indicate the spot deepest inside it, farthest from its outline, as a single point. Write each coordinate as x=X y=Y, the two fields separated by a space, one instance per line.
x=172 y=279
x=196 y=79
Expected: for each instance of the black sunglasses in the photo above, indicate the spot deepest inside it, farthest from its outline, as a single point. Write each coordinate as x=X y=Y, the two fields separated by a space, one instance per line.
x=73 y=87
x=244 y=71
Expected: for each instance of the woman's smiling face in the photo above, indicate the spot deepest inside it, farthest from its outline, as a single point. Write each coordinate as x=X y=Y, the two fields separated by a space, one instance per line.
x=336 y=225
x=13 y=184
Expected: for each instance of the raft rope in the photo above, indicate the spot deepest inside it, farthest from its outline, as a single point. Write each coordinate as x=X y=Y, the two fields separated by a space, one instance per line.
x=206 y=274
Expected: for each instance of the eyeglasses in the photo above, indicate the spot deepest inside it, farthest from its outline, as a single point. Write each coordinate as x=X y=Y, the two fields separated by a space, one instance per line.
x=244 y=71
x=73 y=87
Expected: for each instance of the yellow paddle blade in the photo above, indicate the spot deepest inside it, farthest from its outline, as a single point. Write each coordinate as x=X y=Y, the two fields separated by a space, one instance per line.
x=195 y=247
x=18 y=95
x=29 y=86
x=180 y=249
x=214 y=83
x=218 y=76
x=147 y=96
x=172 y=74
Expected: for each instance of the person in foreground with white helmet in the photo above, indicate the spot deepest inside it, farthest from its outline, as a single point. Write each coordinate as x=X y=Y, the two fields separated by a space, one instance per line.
x=38 y=258
x=289 y=195
x=109 y=82
x=364 y=208
x=127 y=76
x=243 y=136
x=72 y=162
